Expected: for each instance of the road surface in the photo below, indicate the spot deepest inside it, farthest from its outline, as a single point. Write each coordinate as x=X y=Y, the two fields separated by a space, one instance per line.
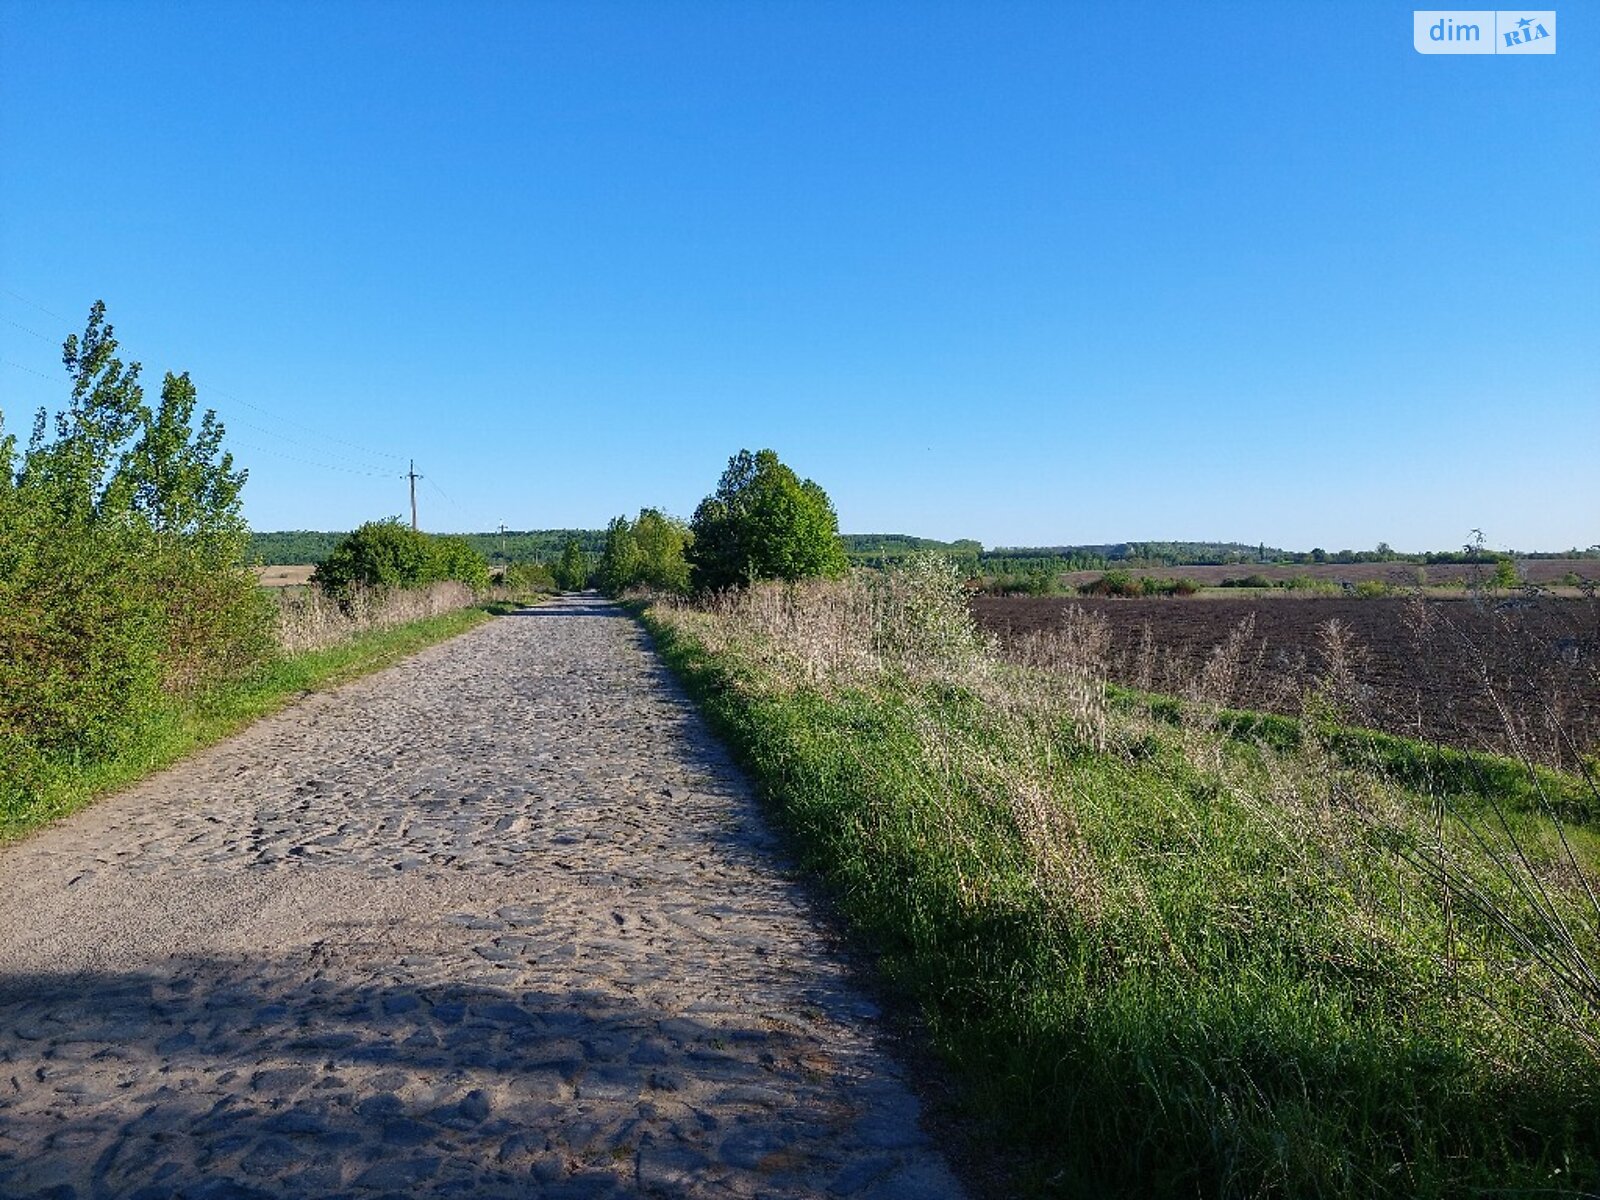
x=499 y=921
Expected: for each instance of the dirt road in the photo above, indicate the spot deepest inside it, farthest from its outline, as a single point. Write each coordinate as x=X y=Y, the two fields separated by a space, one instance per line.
x=500 y=921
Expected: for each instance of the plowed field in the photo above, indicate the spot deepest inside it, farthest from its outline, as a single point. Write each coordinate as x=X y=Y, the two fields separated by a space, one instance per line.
x=1457 y=672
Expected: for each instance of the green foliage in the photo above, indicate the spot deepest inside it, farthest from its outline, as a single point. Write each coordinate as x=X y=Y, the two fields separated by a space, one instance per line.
x=649 y=552
x=514 y=546
x=122 y=574
x=185 y=723
x=1247 y=581
x=1505 y=574
x=572 y=569
x=1121 y=583
x=530 y=577
x=620 y=560
x=459 y=561
x=764 y=522
x=1213 y=979
x=390 y=554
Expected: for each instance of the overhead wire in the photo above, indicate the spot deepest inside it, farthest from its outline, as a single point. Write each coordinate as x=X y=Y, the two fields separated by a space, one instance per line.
x=32 y=304
x=25 y=329
x=365 y=469
x=304 y=428
x=321 y=435
x=308 y=462
x=29 y=370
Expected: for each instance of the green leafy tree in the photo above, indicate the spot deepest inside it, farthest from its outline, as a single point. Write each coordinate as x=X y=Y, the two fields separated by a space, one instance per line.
x=122 y=570
x=620 y=560
x=649 y=552
x=763 y=522
x=1505 y=574
x=454 y=558
x=390 y=554
x=380 y=554
x=663 y=544
x=530 y=577
x=572 y=569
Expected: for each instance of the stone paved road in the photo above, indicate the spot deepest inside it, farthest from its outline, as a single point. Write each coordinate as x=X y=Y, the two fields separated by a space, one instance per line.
x=501 y=921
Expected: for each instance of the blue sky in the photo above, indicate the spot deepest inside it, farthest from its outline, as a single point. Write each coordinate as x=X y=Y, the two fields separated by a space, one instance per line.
x=1034 y=274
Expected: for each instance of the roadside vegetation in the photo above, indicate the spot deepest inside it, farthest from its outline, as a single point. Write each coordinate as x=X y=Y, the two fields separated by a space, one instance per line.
x=131 y=626
x=1168 y=951
x=1166 y=947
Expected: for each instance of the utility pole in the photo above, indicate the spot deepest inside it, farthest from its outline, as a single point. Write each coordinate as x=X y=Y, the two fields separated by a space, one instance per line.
x=413 y=476
x=503 y=542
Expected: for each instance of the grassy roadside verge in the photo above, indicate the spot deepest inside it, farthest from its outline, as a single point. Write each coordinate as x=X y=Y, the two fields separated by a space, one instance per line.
x=183 y=728
x=1166 y=960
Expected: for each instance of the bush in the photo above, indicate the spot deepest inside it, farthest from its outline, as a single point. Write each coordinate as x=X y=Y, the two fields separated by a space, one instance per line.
x=1112 y=583
x=649 y=552
x=572 y=568
x=529 y=577
x=1121 y=583
x=764 y=522
x=389 y=554
x=122 y=572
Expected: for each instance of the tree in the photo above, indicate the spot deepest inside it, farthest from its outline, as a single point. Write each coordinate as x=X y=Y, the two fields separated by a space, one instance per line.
x=456 y=559
x=572 y=570
x=390 y=554
x=763 y=522
x=620 y=560
x=649 y=552
x=122 y=570
x=663 y=544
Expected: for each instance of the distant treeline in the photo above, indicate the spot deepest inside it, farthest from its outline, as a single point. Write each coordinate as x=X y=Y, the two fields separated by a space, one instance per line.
x=517 y=546
x=878 y=549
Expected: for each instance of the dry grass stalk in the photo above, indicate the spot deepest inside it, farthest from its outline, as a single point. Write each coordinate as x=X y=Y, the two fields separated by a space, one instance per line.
x=312 y=620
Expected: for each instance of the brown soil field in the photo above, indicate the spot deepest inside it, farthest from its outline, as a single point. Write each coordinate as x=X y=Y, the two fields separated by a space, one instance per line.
x=282 y=577
x=1543 y=571
x=1432 y=670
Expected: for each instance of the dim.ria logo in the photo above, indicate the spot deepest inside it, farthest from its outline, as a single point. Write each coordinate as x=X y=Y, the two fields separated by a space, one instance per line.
x=1484 y=31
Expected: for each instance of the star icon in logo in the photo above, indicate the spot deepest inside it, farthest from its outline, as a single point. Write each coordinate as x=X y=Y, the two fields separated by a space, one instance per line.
x=1525 y=22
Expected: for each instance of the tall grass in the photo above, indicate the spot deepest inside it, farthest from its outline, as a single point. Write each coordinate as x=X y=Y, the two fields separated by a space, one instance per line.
x=1169 y=949
x=312 y=619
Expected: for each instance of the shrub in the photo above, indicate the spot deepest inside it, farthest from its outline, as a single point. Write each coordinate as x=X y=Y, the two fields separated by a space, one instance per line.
x=764 y=522
x=1372 y=589
x=1112 y=583
x=458 y=561
x=389 y=554
x=529 y=577
x=572 y=568
x=649 y=552
x=122 y=572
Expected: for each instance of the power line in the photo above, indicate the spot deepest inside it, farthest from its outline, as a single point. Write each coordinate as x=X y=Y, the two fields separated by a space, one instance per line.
x=307 y=462
x=317 y=433
x=25 y=329
x=30 y=370
x=460 y=512
x=33 y=304
x=322 y=437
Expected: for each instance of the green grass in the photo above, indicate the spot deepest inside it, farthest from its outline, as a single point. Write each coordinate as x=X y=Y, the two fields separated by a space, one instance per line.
x=183 y=727
x=1227 y=981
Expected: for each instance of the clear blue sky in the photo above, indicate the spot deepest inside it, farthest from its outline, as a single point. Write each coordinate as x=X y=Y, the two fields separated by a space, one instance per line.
x=1034 y=274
